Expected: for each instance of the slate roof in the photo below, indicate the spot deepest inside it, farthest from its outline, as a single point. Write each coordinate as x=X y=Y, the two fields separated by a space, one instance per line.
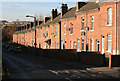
x=89 y=6
x=70 y=13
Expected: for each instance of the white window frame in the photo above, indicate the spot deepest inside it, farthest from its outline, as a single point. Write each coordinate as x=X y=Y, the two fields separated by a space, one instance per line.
x=91 y=45
x=109 y=20
x=65 y=44
x=82 y=43
x=71 y=30
x=65 y=28
x=109 y=40
x=78 y=46
x=71 y=44
x=82 y=27
x=97 y=43
x=92 y=21
x=74 y=45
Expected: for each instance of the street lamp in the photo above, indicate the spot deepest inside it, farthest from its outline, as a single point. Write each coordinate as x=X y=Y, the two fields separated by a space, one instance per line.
x=34 y=26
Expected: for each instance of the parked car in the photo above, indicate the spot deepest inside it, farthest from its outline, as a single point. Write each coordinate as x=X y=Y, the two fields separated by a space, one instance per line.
x=6 y=46
x=15 y=49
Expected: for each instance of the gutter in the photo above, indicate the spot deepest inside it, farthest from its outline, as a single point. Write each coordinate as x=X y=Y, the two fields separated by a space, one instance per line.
x=88 y=11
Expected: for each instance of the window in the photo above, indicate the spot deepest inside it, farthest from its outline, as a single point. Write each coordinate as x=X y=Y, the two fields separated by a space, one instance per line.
x=82 y=44
x=97 y=45
x=91 y=44
x=82 y=23
x=92 y=22
x=56 y=31
x=71 y=44
x=52 y=33
x=74 y=45
x=71 y=32
x=43 y=34
x=65 y=44
x=109 y=16
x=46 y=33
x=109 y=43
x=65 y=29
x=78 y=44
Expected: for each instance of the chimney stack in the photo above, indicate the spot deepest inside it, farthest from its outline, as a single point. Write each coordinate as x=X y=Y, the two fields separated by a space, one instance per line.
x=53 y=14
x=64 y=9
x=79 y=5
x=46 y=19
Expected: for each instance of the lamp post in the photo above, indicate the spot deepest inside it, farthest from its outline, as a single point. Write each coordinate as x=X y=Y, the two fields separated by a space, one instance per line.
x=34 y=26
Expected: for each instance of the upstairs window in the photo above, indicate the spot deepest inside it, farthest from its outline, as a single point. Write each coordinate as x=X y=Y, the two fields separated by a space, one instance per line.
x=46 y=33
x=71 y=32
x=82 y=23
x=65 y=29
x=43 y=34
x=56 y=31
x=109 y=16
x=92 y=22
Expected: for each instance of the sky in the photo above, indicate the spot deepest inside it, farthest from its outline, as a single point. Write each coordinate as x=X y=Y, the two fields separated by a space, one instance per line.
x=11 y=10
x=18 y=10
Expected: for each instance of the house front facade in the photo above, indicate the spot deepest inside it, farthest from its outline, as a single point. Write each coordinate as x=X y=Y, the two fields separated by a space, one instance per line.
x=89 y=26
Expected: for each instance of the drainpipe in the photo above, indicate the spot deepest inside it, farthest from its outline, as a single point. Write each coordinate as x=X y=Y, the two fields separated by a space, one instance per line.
x=86 y=28
x=116 y=30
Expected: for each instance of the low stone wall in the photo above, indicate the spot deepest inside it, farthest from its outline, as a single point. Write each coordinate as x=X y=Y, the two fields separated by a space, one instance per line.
x=114 y=60
x=92 y=58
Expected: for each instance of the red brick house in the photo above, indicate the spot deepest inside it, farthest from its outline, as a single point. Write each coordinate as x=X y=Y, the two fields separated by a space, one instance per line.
x=89 y=26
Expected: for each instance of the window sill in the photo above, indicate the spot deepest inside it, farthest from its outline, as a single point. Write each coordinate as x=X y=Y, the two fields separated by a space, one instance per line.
x=71 y=34
x=55 y=36
x=81 y=30
x=91 y=30
x=109 y=25
x=108 y=51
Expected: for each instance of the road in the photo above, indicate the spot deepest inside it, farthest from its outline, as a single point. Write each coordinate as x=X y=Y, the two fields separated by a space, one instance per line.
x=25 y=66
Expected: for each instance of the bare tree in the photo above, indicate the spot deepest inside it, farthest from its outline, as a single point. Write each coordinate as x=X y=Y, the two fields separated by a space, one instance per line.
x=41 y=17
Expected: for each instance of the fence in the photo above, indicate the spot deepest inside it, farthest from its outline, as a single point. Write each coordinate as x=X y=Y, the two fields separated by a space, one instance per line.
x=92 y=58
x=114 y=60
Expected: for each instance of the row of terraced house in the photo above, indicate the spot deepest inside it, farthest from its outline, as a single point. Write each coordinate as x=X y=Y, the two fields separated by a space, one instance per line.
x=89 y=26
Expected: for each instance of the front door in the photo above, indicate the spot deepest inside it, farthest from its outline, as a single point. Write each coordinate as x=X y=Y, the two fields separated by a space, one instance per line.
x=102 y=46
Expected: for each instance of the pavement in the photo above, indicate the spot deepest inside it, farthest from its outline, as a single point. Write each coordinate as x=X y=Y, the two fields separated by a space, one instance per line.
x=25 y=66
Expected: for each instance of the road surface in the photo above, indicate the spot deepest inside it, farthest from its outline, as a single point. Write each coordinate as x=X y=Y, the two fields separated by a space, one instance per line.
x=25 y=66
